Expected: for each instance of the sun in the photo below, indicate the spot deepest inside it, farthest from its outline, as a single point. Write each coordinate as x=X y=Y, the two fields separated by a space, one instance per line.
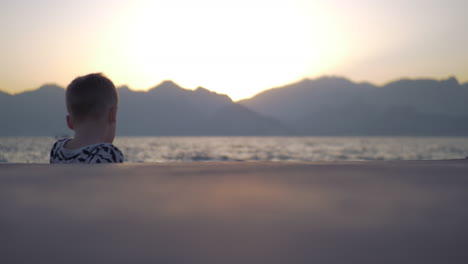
x=238 y=48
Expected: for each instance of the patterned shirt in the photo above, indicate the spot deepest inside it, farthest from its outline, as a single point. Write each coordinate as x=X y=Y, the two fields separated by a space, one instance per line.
x=96 y=153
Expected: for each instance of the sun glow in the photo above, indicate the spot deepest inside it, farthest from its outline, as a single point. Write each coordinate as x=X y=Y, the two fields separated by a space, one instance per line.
x=239 y=48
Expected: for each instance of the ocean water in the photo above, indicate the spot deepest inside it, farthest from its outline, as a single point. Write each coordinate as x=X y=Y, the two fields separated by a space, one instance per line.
x=190 y=149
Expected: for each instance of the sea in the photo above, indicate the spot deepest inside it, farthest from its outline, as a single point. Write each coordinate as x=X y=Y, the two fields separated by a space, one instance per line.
x=304 y=149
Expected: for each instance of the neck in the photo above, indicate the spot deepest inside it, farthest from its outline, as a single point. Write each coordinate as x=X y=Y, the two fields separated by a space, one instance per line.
x=90 y=132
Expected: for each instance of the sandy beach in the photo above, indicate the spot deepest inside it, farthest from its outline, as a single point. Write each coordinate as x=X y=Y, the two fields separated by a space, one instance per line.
x=235 y=212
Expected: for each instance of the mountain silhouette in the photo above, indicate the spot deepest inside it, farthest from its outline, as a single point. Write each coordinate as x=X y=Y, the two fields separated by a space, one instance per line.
x=165 y=110
x=3 y=94
x=337 y=106
x=238 y=120
x=170 y=110
x=326 y=106
x=39 y=112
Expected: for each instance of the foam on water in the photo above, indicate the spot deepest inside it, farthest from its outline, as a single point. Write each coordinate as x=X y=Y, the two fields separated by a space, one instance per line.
x=183 y=149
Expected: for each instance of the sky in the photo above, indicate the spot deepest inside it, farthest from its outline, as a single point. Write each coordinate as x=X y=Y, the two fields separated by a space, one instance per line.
x=238 y=48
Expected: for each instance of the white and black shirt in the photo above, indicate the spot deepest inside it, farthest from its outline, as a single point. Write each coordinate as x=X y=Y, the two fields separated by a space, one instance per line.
x=96 y=153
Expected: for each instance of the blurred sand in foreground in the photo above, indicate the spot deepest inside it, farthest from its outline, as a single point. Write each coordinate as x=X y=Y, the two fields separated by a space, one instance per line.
x=235 y=212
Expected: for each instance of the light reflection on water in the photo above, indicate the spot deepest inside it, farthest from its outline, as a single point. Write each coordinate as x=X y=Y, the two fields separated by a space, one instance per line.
x=168 y=149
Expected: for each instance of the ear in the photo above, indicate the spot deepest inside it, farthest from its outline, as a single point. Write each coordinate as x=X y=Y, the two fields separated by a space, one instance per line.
x=112 y=116
x=69 y=122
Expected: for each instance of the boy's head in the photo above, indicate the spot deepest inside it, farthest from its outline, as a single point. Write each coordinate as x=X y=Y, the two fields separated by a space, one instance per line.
x=92 y=97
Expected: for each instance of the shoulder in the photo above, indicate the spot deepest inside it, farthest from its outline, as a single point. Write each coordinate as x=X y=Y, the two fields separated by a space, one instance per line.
x=56 y=154
x=59 y=143
x=107 y=153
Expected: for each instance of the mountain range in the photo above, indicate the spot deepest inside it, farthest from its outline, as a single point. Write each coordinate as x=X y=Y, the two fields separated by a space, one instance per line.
x=326 y=106
x=338 y=106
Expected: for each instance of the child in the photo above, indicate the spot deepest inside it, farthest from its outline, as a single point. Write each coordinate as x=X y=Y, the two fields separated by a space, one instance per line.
x=92 y=113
